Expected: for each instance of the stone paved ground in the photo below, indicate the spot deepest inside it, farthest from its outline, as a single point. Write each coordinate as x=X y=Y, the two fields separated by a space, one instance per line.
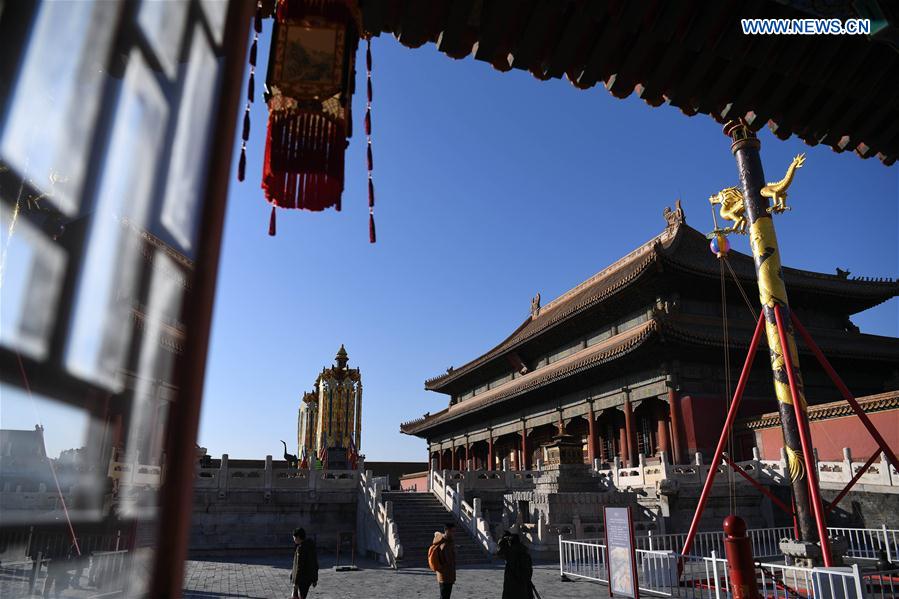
x=267 y=578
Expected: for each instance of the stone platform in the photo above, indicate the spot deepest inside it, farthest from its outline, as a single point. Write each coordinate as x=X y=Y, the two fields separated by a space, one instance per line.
x=268 y=577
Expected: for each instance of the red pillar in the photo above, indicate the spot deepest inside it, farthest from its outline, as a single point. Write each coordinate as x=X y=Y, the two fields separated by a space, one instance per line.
x=679 y=453
x=469 y=459
x=453 y=460
x=591 y=436
x=662 y=434
x=490 y=458
x=630 y=432
x=601 y=441
x=623 y=445
x=524 y=463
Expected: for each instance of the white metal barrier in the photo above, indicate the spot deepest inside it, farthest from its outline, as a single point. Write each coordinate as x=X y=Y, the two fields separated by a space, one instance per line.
x=656 y=570
x=708 y=577
x=583 y=559
x=778 y=580
x=870 y=543
x=765 y=542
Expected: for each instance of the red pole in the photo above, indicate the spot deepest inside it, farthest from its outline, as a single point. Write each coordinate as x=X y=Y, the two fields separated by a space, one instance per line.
x=844 y=391
x=795 y=520
x=743 y=584
x=731 y=416
x=757 y=485
x=852 y=482
x=804 y=433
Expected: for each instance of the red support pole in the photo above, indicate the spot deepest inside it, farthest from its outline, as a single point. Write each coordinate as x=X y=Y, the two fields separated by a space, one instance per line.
x=731 y=416
x=807 y=451
x=743 y=583
x=844 y=391
x=795 y=520
x=852 y=482
x=758 y=485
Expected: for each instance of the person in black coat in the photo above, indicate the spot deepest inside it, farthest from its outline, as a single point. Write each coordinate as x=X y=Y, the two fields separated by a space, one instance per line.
x=305 y=564
x=519 y=567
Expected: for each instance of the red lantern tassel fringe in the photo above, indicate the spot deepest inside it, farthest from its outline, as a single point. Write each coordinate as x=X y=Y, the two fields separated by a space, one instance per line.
x=304 y=161
x=272 y=224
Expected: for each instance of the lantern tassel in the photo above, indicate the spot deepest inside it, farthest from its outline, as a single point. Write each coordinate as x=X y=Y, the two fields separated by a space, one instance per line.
x=368 y=152
x=272 y=224
x=251 y=92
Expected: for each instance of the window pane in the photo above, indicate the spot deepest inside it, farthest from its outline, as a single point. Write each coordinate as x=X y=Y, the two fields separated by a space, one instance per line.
x=101 y=330
x=31 y=272
x=188 y=164
x=54 y=105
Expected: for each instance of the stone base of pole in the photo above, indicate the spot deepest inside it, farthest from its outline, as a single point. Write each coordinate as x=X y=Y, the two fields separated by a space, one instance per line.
x=808 y=555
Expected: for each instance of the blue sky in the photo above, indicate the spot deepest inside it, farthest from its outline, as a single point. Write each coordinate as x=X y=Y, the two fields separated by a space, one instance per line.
x=490 y=187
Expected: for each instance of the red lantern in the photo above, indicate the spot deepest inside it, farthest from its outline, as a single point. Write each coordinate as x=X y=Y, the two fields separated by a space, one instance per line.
x=309 y=88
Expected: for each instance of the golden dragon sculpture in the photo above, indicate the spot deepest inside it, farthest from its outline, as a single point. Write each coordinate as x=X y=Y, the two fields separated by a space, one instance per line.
x=731 y=199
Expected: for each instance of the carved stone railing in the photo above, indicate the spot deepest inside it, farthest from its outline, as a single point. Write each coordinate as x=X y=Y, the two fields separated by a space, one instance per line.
x=268 y=479
x=491 y=480
x=135 y=474
x=770 y=472
x=448 y=487
x=378 y=531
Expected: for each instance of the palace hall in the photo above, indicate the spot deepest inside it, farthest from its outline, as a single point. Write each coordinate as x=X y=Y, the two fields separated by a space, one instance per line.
x=632 y=360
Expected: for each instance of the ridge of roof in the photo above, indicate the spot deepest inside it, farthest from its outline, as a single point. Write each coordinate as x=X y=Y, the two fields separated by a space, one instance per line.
x=552 y=312
x=744 y=267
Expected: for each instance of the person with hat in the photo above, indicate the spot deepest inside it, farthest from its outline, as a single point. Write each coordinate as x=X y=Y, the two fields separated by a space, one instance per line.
x=517 y=582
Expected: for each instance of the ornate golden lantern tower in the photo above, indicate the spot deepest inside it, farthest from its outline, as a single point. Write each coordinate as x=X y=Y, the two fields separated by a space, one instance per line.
x=330 y=417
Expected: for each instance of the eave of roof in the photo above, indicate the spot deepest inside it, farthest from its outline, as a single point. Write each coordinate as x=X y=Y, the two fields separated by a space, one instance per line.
x=601 y=353
x=688 y=330
x=706 y=331
x=689 y=55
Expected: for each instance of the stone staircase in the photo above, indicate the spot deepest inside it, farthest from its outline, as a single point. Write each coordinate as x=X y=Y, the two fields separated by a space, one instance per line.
x=418 y=516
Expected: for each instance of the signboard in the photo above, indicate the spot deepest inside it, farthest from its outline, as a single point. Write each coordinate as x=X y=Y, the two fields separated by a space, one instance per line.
x=620 y=555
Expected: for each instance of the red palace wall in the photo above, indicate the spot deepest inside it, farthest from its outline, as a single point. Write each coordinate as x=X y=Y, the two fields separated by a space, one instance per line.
x=832 y=435
x=418 y=483
x=704 y=417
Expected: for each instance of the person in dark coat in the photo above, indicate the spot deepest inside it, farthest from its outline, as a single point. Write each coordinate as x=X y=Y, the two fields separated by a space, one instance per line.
x=305 y=565
x=519 y=567
x=59 y=557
